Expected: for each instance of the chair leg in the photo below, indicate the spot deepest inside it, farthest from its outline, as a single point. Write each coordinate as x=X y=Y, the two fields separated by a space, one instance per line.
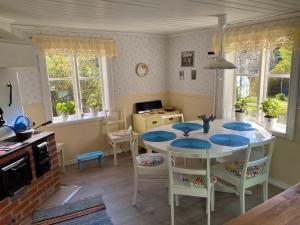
x=172 y=208
x=212 y=198
x=208 y=209
x=115 y=154
x=177 y=200
x=135 y=189
x=242 y=200
x=265 y=190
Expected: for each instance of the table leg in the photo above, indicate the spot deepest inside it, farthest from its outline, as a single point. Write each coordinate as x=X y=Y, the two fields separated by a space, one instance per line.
x=115 y=154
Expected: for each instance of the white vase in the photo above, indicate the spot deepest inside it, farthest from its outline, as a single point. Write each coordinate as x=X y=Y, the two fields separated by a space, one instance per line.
x=269 y=123
x=94 y=111
x=240 y=116
x=64 y=116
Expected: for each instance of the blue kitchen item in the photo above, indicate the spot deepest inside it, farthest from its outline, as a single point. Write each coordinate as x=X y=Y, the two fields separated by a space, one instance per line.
x=22 y=123
x=158 y=136
x=239 y=126
x=193 y=143
x=187 y=126
x=230 y=140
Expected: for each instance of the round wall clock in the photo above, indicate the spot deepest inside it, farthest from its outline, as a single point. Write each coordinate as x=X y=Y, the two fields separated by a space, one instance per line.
x=141 y=69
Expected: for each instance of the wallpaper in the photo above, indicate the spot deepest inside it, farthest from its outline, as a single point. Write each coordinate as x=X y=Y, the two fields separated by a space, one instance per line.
x=200 y=43
x=132 y=49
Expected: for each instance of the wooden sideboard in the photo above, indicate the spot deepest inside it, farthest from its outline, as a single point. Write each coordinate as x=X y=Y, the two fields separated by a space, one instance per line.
x=147 y=121
x=283 y=209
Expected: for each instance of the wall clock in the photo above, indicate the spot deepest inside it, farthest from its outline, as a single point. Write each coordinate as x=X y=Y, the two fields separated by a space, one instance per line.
x=141 y=69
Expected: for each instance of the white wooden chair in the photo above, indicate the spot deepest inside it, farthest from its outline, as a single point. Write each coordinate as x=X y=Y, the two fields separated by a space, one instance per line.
x=245 y=174
x=116 y=129
x=185 y=181
x=143 y=167
x=167 y=119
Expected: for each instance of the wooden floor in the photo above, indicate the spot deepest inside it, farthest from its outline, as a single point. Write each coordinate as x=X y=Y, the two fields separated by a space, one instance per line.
x=116 y=186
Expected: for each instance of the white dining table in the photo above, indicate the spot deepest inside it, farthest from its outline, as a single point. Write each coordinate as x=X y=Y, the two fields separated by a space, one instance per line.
x=259 y=134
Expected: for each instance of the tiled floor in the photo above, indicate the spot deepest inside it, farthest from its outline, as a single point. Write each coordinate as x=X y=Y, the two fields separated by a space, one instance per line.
x=116 y=185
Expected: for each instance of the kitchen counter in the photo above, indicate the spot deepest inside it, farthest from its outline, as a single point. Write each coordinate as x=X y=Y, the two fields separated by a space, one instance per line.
x=37 y=136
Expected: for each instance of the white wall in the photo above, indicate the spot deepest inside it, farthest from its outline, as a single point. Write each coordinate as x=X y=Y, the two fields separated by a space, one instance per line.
x=200 y=42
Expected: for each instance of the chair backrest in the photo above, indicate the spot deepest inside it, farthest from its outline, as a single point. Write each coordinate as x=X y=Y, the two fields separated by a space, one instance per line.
x=171 y=117
x=133 y=146
x=116 y=119
x=264 y=160
x=175 y=152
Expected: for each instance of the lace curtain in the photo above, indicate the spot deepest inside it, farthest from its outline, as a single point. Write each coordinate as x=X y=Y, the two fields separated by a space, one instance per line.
x=54 y=45
x=269 y=34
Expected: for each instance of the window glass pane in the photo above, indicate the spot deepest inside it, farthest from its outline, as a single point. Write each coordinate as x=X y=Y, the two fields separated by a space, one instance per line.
x=91 y=94
x=88 y=65
x=246 y=88
x=61 y=91
x=58 y=66
x=280 y=60
x=247 y=62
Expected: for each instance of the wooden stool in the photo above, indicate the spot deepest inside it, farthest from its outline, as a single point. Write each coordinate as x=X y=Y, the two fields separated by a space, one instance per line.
x=88 y=156
x=60 y=154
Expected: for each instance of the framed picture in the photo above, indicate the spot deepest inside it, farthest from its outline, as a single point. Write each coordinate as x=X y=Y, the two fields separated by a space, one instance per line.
x=193 y=75
x=187 y=58
x=181 y=75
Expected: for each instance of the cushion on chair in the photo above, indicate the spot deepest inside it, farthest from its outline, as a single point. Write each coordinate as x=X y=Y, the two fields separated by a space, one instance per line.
x=196 y=181
x=236 y=168
x=150 y=159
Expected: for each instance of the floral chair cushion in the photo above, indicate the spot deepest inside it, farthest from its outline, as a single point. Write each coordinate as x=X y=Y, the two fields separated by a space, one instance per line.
x=236 y=168
x=196 y=181
x=150 y=159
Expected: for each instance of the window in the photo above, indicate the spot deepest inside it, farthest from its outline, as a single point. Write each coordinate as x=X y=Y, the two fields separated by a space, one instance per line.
x=264 y=73
x=75 y=83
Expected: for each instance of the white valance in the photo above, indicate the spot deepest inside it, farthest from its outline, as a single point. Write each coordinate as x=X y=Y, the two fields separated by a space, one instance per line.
x=268 y=34
x=55 y=44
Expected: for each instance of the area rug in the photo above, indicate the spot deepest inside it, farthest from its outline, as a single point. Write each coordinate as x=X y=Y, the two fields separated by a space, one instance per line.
x=89 y=211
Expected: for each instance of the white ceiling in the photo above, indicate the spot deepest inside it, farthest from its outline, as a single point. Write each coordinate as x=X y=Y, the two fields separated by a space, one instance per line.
x=145 y=16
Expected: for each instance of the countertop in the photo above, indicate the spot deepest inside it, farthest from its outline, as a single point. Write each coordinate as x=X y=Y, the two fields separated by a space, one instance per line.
x=37 y=136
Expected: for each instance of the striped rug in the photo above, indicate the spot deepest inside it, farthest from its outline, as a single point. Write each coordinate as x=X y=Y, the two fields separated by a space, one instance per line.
x=89 y=211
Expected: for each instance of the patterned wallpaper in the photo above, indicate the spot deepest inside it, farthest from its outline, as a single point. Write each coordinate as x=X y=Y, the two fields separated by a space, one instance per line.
x=199 y=42
x=132 y=49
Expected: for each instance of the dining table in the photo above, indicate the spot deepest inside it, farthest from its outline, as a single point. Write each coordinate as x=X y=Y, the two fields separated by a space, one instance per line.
x=256 y=134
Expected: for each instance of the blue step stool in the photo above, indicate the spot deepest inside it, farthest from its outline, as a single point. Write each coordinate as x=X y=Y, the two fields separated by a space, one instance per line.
x=88 y=156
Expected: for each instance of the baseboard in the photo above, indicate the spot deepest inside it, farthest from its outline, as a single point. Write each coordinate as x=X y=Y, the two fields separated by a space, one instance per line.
x=279 y=184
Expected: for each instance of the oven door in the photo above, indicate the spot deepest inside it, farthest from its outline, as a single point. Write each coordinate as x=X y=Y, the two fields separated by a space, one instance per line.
x=41 y=157
x=14 y=175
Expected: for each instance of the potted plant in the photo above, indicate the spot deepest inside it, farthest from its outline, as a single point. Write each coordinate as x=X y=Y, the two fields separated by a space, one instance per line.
x=240 y=109
x=271 y=109
x=65 y=109
x=93 y=102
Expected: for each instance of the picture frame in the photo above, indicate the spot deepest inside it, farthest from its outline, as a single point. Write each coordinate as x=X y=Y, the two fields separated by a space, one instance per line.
x=193 y=74
x=187 y=58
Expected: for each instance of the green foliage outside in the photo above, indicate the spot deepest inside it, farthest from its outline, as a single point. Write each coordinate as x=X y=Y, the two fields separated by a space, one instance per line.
x=283 y=60
x=66 y=107
x=93 y=101
x=271 y=108
x=58 y=66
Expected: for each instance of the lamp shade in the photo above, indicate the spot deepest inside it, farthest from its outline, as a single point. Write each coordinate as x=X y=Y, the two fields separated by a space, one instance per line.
x=219 y=63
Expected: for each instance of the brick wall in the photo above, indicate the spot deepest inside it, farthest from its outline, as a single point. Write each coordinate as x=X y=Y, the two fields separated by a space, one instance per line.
x=15 y=211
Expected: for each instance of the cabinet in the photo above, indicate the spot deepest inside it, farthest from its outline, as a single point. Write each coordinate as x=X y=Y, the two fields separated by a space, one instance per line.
x=147 y=121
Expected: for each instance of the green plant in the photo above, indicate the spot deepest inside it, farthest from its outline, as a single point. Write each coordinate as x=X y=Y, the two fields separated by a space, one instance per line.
x=271 y=108
x=241 y=105
x=281 y=97
x=93 y=101
x=66 y=107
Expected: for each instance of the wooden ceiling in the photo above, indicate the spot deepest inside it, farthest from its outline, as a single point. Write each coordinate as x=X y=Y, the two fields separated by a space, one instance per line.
x=143 y=16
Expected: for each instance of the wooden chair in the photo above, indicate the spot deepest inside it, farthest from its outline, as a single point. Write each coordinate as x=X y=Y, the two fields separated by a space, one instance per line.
x=186 y=181
x=245 y=174
x=116 y=129
x=144 y=165
x=168 y=119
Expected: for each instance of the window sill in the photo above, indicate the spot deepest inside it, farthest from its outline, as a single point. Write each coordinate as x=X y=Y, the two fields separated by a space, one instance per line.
x=57 y=121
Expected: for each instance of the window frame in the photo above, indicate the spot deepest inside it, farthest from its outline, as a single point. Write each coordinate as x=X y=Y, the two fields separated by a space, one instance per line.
x=79 y=116
x=262 y=90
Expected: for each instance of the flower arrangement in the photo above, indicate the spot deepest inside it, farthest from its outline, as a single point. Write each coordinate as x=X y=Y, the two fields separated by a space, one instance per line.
x=206 y=121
